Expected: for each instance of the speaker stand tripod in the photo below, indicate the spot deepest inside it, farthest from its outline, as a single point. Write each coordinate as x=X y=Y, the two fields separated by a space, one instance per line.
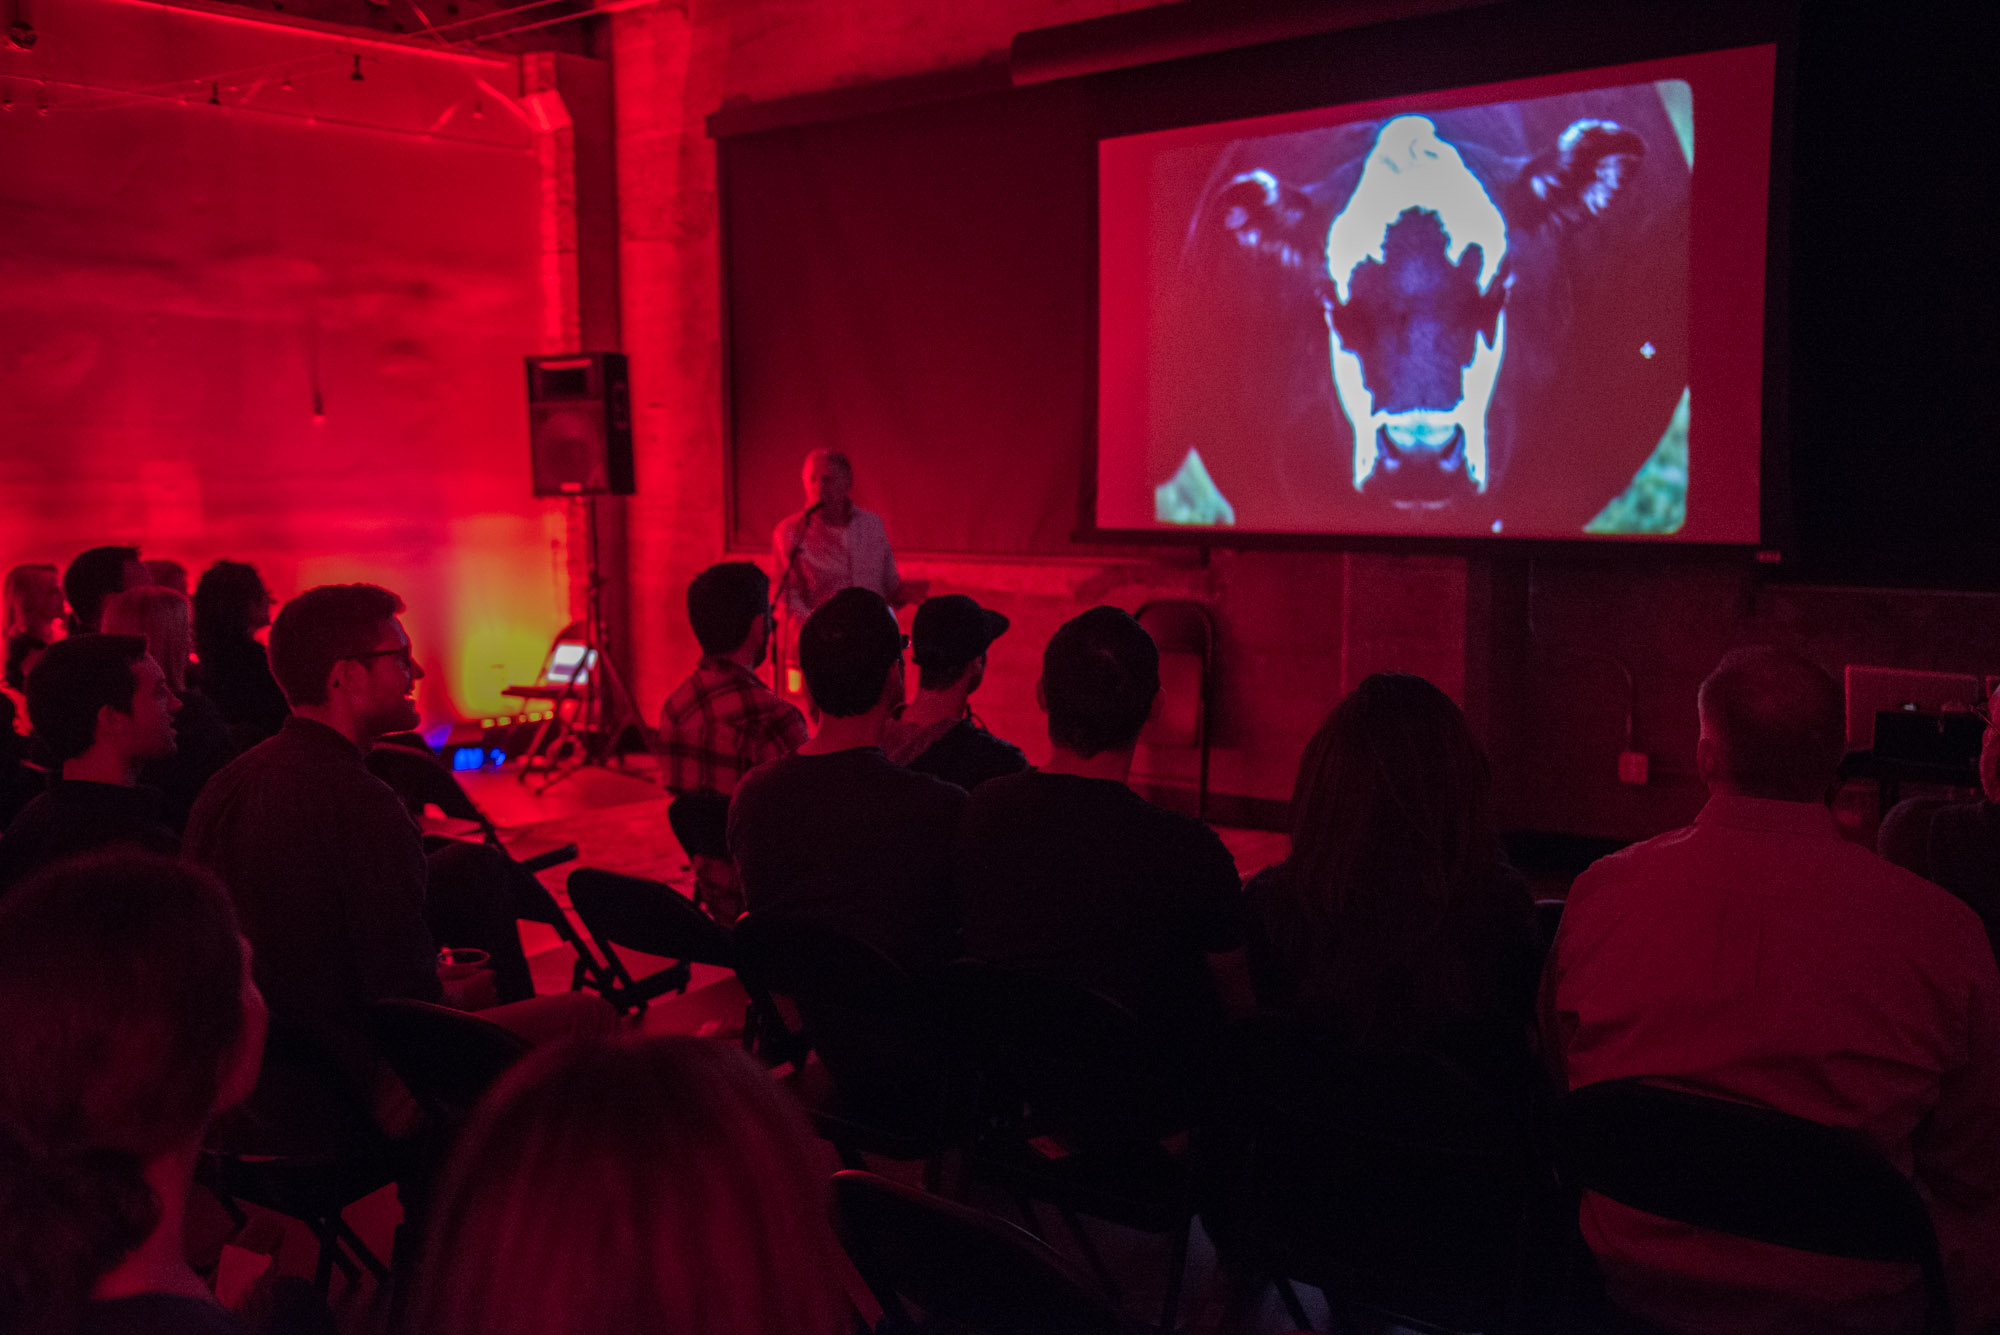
x=605 y=708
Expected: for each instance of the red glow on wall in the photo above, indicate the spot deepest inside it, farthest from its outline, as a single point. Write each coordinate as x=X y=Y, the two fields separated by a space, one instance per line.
x=281 y=322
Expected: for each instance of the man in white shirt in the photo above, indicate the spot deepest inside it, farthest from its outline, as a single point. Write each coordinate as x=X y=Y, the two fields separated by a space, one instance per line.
x=830 y=545
x=1758 y=956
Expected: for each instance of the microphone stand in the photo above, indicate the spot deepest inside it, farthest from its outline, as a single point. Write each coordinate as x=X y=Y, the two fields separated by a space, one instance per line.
x=778 y=593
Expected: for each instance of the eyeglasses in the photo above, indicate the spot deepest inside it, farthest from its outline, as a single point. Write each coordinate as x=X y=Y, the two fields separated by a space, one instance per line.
x=401 y=651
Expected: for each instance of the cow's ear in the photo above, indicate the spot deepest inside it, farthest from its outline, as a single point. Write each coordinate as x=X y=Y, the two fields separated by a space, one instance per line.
x=1582 y=176
x=1269 y=218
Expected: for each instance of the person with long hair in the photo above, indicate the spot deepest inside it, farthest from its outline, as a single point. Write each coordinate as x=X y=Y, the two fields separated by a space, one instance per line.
x=34 y=601
x=1396 y=921
x=231 y=605
x=131 y=1021
x=33 y=620
x=640 y=1187
x=163 y=617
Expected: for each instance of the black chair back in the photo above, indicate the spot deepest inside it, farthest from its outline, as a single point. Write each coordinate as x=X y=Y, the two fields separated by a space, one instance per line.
x=1073 y=1060
x=700 y=822
x=1748 y=1171
x=878 y=1030
x=421 y=780
x=1397 y=1181
x=648 y=916
x=304 y=1146
x=447 y=1058
x=962 y=1266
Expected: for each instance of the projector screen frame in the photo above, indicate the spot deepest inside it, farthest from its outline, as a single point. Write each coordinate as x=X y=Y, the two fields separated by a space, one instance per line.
x=1565 y=39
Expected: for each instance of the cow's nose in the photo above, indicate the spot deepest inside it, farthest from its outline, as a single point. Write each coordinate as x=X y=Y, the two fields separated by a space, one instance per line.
x=1424 y=435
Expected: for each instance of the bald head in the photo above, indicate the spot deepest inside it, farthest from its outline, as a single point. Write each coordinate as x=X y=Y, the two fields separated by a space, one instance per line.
x=1773 y=725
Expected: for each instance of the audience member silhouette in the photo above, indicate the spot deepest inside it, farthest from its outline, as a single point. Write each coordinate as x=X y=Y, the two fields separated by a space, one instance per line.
x=328 y=870
x=663 y=1184
x=1396 y=922
x=103 y=708
x=34 y=602
x=1065 y=871
x=721 y=721
x=936 y=733
x=167 y=573
x=94 y=576
x=835 y=833
x=201 y=737
x=131 y=1021
x=1759 y=956
x=1955 y=844
x=230 y=606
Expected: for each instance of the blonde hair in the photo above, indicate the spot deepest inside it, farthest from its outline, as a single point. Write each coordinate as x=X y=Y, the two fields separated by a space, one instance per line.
x=164 y=618
x=20 y=598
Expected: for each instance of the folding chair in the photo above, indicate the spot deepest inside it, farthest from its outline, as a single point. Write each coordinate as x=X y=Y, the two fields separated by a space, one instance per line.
x=1079 y=1107
x=408 y=765
x=534 y=903
x=1397 y=1183
x=1749 y=1172
x=700 y=823
x=961 y=1266
x=446 y=1058
x=652 y=918
x=303 y=1147
x=883 y=1080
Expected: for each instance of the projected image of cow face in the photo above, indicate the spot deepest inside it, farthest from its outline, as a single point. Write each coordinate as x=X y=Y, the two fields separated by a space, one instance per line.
x=1414 y=268
x=1414 y=302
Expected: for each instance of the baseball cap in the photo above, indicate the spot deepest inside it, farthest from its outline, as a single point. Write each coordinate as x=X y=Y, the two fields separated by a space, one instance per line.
x=951 y=630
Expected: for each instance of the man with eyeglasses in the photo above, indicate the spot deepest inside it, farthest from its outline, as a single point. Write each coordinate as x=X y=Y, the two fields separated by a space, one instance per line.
x=328 y=871
x=722 y=722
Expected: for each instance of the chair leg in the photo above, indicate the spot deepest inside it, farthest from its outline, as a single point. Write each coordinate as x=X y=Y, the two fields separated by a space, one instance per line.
x=1293 y=1307
x=323 y=1267
x=1176 y=1272
x=360 y=1251
x=237 y=1215
x=328 y=1231
x=1090 y=1253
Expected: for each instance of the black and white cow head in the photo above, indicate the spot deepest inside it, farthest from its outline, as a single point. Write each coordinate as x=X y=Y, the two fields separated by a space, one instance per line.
x=1414 y=273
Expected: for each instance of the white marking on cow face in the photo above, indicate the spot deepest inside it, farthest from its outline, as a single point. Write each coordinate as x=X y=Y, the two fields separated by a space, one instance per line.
x=1409 y=167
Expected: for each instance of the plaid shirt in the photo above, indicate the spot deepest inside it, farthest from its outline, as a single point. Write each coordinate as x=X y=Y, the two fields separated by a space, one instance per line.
x=719 y=724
